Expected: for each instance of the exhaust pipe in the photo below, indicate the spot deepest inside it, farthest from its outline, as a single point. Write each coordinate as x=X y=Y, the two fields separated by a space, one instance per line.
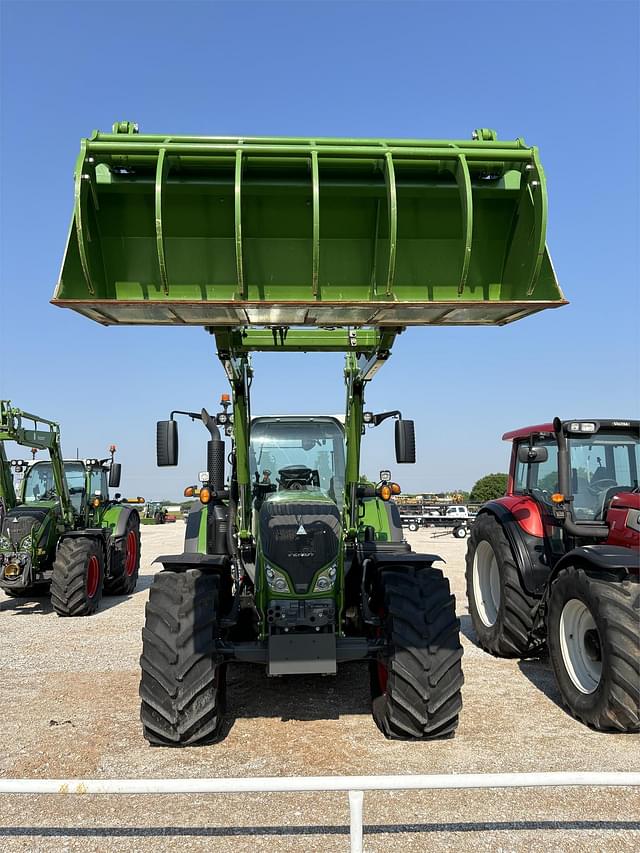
x=215 y=452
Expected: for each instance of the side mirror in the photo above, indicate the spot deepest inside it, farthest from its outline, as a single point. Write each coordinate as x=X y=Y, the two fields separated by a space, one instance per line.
x=166 y=443
x=114 y=475
x=405 y=442
x=532 y=455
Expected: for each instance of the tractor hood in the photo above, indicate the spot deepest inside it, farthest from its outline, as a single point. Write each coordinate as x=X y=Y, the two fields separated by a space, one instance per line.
x=22 y=521
x=300 y=533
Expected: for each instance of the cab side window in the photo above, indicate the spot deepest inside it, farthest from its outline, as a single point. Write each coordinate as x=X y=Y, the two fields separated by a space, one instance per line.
x=542 y=479
x=99 y=484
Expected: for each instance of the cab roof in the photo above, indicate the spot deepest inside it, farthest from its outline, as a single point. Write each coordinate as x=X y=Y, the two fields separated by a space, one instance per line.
x=525 y=432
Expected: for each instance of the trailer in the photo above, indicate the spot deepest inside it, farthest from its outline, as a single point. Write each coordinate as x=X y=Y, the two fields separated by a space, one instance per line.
x=458 y=525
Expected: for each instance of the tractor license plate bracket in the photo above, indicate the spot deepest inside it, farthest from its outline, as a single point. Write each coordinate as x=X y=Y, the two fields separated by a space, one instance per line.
x=302 y=654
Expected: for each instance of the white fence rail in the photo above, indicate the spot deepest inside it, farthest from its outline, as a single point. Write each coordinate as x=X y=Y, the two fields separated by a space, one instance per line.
x=354 y=785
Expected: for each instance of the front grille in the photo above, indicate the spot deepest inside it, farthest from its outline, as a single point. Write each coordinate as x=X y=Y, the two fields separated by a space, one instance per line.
x=299 y=553
x=19 y=522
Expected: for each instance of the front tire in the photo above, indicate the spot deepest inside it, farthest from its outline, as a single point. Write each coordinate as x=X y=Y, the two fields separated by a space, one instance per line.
x=415 y=685
x=78 y=577
x=183 y=679
x=127 y=561
x=501 y=610
x=34 y=591
x=593 y=644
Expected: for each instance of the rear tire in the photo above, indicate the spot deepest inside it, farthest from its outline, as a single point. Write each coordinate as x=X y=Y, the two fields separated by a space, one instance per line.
x=183 y=679
x=78 y=577
x=127 y=561
x=416 y=685
x=593 y=644
x=502 y=612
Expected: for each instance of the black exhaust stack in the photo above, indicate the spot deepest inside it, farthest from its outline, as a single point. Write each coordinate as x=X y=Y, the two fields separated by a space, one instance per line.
x=215 y=453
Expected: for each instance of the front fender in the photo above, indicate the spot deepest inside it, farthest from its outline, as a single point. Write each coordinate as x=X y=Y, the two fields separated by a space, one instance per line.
x=600 y=560
x=115 y=519
x=527 y=546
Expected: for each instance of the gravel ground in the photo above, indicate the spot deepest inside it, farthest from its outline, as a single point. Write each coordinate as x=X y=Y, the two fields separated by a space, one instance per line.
x=69 y=707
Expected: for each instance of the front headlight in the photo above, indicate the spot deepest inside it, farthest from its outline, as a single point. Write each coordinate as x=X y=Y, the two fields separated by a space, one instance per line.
x=277 y=580
x=26 y=543
x=4 y=543
x=325 y=579
x=12 y=570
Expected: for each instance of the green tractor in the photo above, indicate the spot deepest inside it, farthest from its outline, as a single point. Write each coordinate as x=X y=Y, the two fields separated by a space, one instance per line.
x=156 y=511
x=62 y=531
x=294 y=561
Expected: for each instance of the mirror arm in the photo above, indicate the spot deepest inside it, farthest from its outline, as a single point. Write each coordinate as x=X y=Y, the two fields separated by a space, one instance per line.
x=382 y=416
x=195 y=416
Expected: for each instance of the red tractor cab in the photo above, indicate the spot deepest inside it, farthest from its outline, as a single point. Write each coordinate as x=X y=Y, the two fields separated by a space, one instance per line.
x=556 y=562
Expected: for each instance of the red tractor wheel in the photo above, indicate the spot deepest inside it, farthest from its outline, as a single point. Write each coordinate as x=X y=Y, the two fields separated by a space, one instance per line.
x=592 y=631
x=501 y=610
x=78 y=577
x=125 y=560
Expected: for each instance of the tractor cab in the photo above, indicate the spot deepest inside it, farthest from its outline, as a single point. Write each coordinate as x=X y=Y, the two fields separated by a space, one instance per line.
x=88 y=484
x=583 y=475
x=298 y=469
x=297 y=454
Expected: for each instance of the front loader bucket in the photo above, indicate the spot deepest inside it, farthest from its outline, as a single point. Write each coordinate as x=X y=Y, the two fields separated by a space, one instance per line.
x=223 y=231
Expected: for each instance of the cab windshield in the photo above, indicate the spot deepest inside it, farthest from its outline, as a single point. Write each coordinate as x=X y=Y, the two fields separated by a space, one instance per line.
x=40 y=484
x=300 y=455
x=600 y=465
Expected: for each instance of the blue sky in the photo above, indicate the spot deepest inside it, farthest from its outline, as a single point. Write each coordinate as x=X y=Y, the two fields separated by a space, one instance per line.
x=562 y=75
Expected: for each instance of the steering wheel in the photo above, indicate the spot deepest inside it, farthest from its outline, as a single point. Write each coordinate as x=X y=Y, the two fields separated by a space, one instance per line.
x=295 y=477
x=601 y=485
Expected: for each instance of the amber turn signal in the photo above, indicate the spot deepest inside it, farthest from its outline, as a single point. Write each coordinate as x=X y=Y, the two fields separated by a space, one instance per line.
x=395 y=489
x=557 y=498
x=385 y=492
x=95 y=502
x=205 y=496
x=189 y=492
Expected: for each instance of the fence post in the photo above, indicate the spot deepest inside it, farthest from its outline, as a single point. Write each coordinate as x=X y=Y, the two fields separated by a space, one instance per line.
x=355 y=820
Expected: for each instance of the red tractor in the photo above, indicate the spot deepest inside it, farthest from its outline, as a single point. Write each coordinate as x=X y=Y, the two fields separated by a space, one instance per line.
x=557 y=559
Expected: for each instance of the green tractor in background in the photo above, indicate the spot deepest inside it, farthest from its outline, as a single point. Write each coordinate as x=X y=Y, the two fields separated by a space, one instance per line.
x=62 y=531
x=156 y=511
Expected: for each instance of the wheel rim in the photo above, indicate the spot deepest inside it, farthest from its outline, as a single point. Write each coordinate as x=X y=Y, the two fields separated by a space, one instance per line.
x=131 y=553
x=580 y=646
x=93 y=576
x=486 y=583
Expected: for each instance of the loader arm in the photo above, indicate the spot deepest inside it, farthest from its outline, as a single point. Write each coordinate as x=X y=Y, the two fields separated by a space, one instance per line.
x=366 y=351
x=12 y=429
x=7 y=491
